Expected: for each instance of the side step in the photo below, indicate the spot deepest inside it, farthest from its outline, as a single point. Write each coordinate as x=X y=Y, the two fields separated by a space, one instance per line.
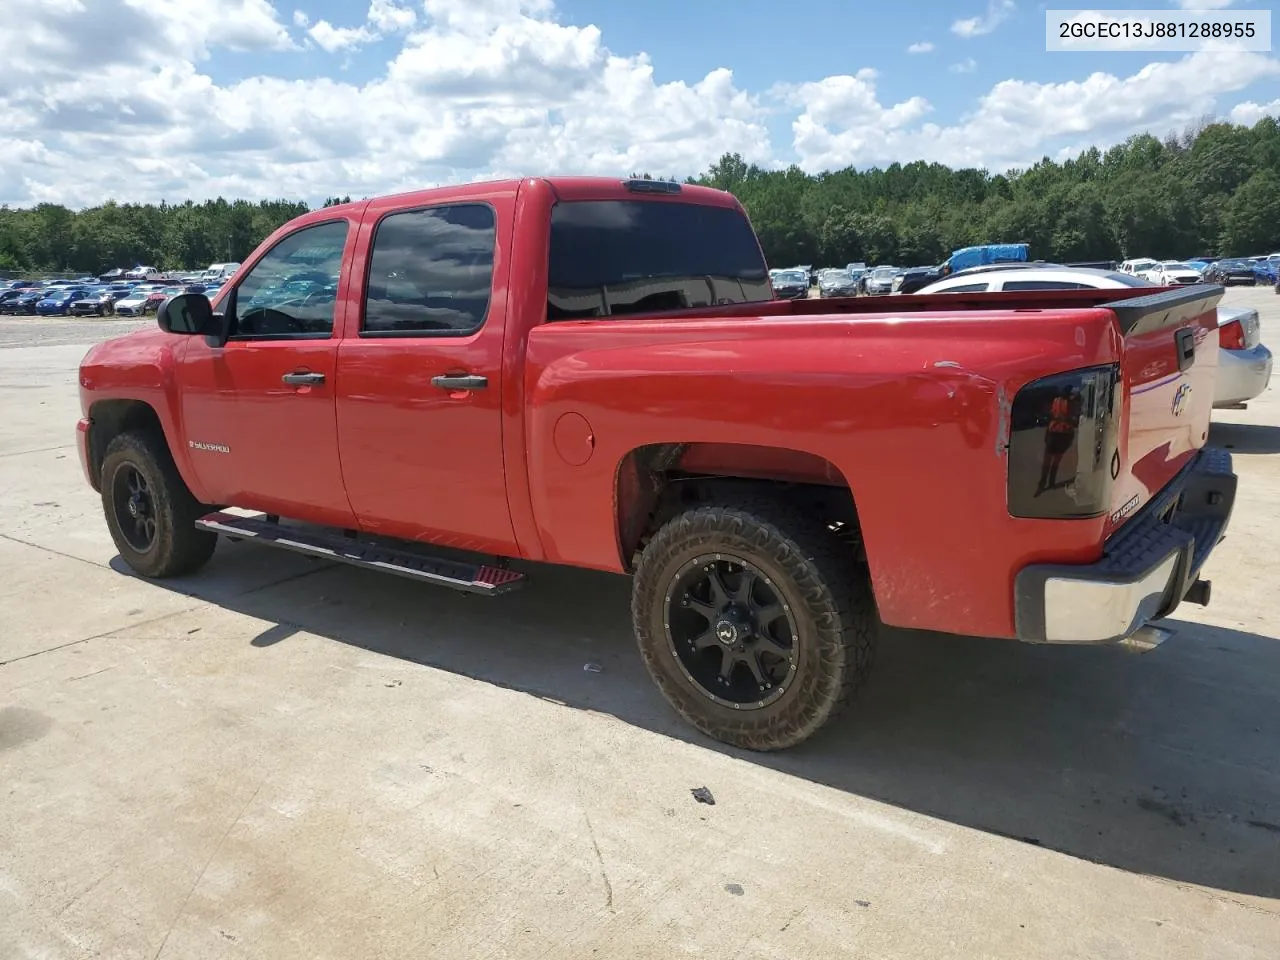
x=483 y=579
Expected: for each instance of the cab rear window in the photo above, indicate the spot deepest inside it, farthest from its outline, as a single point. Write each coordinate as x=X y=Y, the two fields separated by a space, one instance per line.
x=616 y=257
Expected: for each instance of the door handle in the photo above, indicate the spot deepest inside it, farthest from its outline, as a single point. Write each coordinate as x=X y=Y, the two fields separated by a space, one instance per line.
x=466 y=381
x=303 y=379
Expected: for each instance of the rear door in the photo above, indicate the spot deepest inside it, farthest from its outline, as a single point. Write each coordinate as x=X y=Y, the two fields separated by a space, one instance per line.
x=419 y=403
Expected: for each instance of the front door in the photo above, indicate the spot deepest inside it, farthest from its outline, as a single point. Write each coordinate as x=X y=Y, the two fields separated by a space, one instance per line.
x=258 y=412
x=421 y=455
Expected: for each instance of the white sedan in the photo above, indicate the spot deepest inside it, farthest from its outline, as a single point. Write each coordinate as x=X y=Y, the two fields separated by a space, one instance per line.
x=1171 y=273
x=1244 y=363
x=133 y=303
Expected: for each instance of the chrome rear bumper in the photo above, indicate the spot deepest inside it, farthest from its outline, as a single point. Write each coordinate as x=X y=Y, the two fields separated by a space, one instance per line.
x=1146 y=570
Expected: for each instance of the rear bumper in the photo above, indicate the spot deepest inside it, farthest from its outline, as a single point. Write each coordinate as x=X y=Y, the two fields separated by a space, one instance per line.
x=1242 y=375
x=1147 y=567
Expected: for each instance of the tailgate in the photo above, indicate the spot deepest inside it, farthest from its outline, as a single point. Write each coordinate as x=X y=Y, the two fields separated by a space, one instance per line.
x=1170 y=363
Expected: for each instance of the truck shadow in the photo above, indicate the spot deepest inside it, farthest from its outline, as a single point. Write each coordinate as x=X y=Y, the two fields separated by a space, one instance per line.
x=1245 y=437
x=1162 y=764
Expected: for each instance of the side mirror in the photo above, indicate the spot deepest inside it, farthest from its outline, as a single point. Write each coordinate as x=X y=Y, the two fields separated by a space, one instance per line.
x=187 y=313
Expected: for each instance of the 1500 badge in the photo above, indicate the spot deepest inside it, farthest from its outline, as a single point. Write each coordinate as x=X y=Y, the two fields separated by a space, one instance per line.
x=209 y=447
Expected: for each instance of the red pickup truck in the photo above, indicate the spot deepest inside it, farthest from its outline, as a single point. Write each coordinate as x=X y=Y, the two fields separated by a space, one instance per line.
x=595 y=372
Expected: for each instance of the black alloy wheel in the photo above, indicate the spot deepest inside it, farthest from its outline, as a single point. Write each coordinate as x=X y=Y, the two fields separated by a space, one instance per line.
x=730 y=630
x=134 y=506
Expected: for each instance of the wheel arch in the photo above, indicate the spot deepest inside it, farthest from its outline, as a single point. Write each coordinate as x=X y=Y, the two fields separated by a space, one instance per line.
x=655 y=481
x=110 y=418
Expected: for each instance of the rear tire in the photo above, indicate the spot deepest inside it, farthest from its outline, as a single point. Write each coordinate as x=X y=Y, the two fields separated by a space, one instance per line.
x=149 y=510
x=796 y=564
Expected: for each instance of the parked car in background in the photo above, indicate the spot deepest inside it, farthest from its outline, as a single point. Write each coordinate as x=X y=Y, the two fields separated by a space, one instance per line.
x=58 y=302
x=140 y=272
x=1234 y=270
x=95 y=301
x=1169 y=273
x=879 y=282
x=217 y=271
x=1138 y=265
x=132 y=304
x=791 y=284
x=837 y=283
x=8 y=297
x=913 y=278
x=1244 y=363
x=111 y=276
x=25 y=302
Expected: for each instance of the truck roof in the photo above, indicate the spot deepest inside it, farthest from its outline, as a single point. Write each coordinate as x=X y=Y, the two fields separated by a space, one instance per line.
x=566 y=188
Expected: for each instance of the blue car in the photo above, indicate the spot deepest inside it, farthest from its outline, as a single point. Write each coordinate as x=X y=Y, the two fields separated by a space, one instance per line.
x=59 y=302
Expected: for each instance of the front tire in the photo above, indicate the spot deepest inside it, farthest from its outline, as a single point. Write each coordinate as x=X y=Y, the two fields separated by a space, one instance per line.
x=754 y=621
x=149 y=510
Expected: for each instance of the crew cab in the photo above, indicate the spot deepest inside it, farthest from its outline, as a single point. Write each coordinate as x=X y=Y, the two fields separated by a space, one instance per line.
x=460 y=384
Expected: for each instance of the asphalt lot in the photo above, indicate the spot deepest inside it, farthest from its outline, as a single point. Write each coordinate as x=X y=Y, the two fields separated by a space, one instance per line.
x=280 y=758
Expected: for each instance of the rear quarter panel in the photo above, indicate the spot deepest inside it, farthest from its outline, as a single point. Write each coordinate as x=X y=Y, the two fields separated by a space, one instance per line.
x=912 y=410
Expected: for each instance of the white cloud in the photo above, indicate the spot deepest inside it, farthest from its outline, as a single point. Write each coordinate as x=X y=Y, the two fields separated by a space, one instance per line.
x=387 y=16
x=1202 y=4
x=477 y=88
x=332 y=39
x=1249 y=113
x=967 y=65
x=1017 y=121
x=998 y=11
x=924 y=46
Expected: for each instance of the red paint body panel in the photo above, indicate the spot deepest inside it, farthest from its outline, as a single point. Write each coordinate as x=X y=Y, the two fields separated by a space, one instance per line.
x=905 y=399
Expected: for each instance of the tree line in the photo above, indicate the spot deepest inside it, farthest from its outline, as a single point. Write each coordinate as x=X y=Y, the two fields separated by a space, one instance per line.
x=1212 y=190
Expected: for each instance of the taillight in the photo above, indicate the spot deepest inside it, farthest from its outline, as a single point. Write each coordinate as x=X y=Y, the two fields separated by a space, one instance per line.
x=1231 y=335
x=1064 y=448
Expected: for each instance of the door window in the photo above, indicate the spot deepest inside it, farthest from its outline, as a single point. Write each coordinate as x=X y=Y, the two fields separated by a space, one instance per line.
x=431 y=272
x=292 y=291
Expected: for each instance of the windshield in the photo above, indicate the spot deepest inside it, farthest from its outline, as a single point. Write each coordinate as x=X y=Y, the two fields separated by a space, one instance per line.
x=790 y=276
x=611 y=257
x=1178 y=265
x=1235 y=264
x=885 y=272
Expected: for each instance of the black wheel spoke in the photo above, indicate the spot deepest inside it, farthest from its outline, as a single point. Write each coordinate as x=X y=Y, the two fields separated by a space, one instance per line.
x=746 y=584
x=753 y=664
x=727 y=661
x=766 y=615
x=719 y=592
x=702 y=641
x=769 y=645
x=702 y=609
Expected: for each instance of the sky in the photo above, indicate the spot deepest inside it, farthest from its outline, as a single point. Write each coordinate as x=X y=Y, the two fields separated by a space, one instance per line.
x=149 y=100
